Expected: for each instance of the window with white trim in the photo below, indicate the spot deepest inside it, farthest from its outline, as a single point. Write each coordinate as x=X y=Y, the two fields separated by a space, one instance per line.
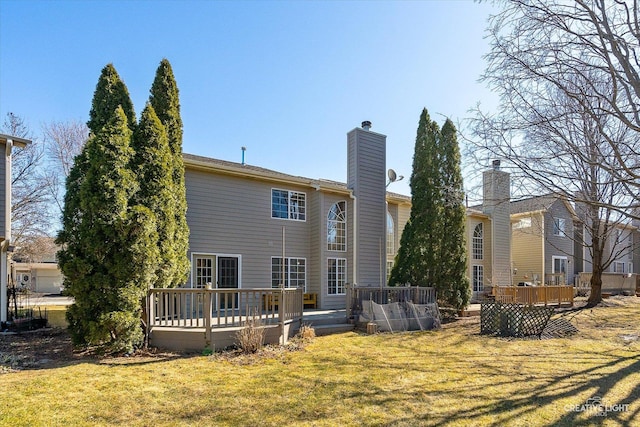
x=522 y=223
x=337 y=227
x=478 y=278
x=336 y=276
x=477 y=242
x=559 y=227
x=391 y=246
x=619 y=267
x=288 y=205
x=203 y=271
x=294 y=272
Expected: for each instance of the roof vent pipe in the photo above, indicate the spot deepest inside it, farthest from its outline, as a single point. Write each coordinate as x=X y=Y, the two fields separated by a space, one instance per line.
x=496 y=165
x=366 y=125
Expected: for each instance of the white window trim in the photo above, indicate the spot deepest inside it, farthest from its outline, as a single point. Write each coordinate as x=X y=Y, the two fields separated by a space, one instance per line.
x=215 y=256
x=561 y=227
x=616 y=268
x=475 y=267
x=288 y=272
x=345 y=276
x=391 y=243
x=553 y=264
x=345 y=222
x=289 y=210
x=473 y=241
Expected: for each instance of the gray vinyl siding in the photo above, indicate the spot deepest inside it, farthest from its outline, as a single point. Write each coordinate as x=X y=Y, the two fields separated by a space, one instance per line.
x=496 y=195
x=3 y=195
x=315 y=219
x=367 y=178
x=231 y=215
x=559 y=246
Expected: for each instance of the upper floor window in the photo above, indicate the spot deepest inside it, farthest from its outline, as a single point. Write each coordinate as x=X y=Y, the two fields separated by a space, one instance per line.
x=390 y=236
x=522 y=223
x=288 y=205
x=337 y=227
x=477 y=242
x=559 y=227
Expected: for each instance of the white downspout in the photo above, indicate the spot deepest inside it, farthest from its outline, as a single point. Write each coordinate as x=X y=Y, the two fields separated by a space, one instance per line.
x=355 y=239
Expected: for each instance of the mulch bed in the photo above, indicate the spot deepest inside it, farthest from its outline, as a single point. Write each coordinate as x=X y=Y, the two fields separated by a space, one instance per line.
x=42 y=348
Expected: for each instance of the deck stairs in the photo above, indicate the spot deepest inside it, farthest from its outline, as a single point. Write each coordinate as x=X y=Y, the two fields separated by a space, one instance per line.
x=326 y=322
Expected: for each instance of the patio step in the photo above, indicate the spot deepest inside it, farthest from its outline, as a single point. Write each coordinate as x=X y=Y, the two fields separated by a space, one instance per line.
x=328 y=321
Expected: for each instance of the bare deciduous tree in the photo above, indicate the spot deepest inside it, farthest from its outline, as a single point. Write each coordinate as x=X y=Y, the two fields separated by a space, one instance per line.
x=30 y=215
x=569 y=117
x=63 y=142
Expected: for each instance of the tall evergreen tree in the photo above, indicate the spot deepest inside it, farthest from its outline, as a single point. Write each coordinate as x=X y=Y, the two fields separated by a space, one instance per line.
x=166 y=103
x=110 y=93
x=109 y=264
x=417 y=262
x=153 y=166
x=455 y=283
x=432 y=248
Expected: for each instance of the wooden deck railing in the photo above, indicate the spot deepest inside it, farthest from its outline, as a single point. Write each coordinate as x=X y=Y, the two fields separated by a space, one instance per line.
x=221 y=308
x=385 y=295
x=561 y=295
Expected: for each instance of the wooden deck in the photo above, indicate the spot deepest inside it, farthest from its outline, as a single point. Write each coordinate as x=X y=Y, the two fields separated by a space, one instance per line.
x=197 y=319
x=535 y=295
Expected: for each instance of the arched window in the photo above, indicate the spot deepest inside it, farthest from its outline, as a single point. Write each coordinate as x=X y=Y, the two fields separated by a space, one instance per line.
x=477 y=242
x=337 y=227
x=390 y=236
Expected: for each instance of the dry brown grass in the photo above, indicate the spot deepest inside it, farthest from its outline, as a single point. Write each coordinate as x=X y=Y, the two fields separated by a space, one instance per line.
x=450 y=377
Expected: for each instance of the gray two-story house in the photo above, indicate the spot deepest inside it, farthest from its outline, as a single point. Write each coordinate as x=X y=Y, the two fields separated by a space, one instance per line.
x=257 y=228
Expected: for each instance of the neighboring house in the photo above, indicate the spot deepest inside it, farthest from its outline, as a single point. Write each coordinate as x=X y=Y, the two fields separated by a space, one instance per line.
x=244 y=220
x=38 y=269
x=619 y=246
x=7 y=143
x=543 y=240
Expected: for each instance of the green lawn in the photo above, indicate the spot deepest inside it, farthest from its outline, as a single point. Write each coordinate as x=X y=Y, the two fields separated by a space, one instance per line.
x=448 y=377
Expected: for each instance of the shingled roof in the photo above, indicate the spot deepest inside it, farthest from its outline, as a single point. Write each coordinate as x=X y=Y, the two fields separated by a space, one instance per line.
x=194 y=161
x=532 y=204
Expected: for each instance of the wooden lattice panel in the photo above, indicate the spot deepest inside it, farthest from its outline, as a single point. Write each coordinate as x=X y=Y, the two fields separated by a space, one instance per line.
x=513 y=320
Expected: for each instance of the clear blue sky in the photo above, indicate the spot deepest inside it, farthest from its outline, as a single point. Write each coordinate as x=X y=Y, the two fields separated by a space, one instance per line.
x=286 y=79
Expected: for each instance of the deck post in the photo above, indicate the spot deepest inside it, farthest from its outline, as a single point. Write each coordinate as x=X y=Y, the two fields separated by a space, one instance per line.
x=208 y=308
x=281 y=311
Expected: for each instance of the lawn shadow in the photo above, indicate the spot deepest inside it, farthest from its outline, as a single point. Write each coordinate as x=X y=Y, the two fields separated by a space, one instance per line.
x=51 y=348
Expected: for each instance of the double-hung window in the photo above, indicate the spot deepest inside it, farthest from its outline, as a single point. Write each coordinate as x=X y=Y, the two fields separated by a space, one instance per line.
x=288 y=205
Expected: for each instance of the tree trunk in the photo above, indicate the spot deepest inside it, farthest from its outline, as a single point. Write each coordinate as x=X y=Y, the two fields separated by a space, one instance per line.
x=596 y=288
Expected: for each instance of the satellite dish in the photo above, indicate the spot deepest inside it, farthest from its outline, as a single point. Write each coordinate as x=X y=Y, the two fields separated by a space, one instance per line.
x=392 y=175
